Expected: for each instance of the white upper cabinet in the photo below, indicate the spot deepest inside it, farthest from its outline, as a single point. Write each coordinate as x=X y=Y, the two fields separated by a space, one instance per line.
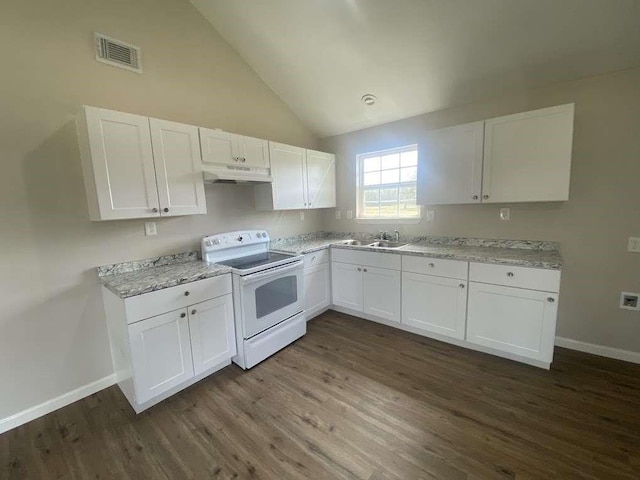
x=117 y=162
x=321 y=179
x=527 y=156
x=450 y=165
x=176 y=153
x=136 y=167
x=302 y=179
x=516 y=158
x=224 y=148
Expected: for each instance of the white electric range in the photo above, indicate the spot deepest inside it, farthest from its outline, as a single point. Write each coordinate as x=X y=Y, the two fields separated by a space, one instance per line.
x=268 y=292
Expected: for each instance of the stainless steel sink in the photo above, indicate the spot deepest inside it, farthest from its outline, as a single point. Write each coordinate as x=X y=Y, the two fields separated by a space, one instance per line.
x=387 y=244
x=353 y=242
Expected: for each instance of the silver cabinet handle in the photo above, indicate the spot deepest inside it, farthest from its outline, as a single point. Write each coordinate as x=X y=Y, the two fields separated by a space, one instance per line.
x=194 y=311
x=475 y=197
x=509 y=274
x=154 y=210
x=186 y=294
x=365 y=269
x=432 y=265
x=166 y=210
x=551 y=299
x=182 y=315
x=359 y=269
x=462 y=285
x=243 y=160
x=486 y=197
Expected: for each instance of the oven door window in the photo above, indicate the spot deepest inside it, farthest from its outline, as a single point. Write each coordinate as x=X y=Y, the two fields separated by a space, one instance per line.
x=276 y=295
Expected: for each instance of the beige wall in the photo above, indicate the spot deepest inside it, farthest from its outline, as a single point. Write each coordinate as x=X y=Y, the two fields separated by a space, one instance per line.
x=52 y=330
x=592 y=227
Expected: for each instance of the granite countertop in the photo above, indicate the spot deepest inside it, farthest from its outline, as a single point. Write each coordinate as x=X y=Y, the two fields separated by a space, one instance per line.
x=129 y=279
x=525 y=253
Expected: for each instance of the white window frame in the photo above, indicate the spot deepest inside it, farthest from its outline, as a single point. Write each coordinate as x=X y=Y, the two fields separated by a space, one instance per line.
x=360 y=218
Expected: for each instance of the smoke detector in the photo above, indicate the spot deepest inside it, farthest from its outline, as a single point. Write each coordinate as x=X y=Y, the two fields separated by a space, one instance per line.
x=369 y=99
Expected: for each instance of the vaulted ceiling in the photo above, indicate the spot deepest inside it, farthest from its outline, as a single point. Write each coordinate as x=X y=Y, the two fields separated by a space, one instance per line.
x=418 y=56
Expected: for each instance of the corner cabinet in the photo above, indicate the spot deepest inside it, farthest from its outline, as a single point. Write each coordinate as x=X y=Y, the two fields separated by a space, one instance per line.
x=139 y=167
x=524 y=157
x=302 y=179
x=164 y=341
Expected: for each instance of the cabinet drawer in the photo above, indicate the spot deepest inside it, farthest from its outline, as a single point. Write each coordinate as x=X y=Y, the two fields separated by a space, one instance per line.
x=370 y=259
x=519 y=277
x=435 y=266
x=172 y=298
x=316 y=258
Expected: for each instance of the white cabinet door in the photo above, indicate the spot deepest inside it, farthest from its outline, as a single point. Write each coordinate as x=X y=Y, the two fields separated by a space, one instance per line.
x=527 y=156
x=218 y=147
x=434 y=304
x=450 y=165
x=382 y=293
x=118 y=165
x=321 y=179
x=289 y=176
x=512 y=320
x=317 y=288
x=176 y=153
x=160 y=353
x=254 y=152
x=346 y=285
x=212 y=329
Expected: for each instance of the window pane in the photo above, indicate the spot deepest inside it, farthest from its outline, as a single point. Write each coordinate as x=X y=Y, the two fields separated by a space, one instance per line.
x=408 y=194
x=372 y=178
x=390 y=161
x=408 y=210
x=409 y=174
x=371 y=164
x=409 y=159
x=371 y=210
x=390 y=176
x=371 y=195
x=388 y=194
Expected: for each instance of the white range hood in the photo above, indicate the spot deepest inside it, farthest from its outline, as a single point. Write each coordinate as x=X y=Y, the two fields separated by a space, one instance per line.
x=232 y=174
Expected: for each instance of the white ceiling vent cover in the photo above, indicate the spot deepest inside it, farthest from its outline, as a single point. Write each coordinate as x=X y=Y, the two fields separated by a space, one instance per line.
x=117 y=53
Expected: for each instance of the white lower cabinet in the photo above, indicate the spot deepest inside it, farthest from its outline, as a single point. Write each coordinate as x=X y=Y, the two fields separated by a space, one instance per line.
x=317 y=289
x=347 y=285
x=381 y=293
x=513 y=320
x=434 y=304
x=161 y=342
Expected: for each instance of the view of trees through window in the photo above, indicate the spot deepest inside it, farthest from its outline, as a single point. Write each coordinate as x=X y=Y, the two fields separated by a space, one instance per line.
x=387 y=186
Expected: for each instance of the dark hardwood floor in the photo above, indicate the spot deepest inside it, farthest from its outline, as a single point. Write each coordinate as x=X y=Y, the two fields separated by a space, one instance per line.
x=354 y=399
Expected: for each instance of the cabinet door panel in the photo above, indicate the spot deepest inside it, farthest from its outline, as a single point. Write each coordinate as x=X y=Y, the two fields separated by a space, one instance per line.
x=321 y=179
x=450 y=165
x=289 y=176
x=527 y=156
x=212 y=332
x=160 y=354
x=176 y=153
x=434 y=304
x=346 y=285
x=317 y=288
x=218 y=147
x=122 y=161
x=254 y=151
x=382 y=293
x=512 y=320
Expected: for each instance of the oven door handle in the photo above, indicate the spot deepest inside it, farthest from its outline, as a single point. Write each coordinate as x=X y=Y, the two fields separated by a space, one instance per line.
x=254 y=277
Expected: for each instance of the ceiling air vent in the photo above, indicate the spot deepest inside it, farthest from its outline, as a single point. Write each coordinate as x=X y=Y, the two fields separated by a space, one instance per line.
x=117 y=53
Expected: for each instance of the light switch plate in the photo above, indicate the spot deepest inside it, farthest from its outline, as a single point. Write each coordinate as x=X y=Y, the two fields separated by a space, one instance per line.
x=505 y=214
x=337 y=214
x=634 y=244
x=430 y=215
x=150 y=229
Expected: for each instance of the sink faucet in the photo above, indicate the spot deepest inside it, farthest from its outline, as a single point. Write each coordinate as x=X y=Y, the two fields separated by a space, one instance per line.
x=383 y=235
x=396 y=234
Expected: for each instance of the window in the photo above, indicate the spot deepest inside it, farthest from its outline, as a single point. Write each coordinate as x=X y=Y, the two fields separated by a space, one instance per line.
x=387 y=184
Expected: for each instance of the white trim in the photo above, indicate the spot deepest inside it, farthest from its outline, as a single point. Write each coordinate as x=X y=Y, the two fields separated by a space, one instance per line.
x=49 y=406
x=601 y=350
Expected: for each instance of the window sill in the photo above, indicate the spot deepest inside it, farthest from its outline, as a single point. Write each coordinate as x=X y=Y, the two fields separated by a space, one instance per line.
x=388 y=221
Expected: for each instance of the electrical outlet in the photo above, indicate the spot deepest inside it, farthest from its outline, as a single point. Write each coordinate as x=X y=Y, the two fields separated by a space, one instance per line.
x=150 y=229
x=302 y=216
x=349 y=214
x=430 y=215
x=629 y=301
x=634 y=244
x=505 y=214
x=337 y=214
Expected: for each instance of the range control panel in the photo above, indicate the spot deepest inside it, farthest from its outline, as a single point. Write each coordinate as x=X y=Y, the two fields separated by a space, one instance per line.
x=234 y=239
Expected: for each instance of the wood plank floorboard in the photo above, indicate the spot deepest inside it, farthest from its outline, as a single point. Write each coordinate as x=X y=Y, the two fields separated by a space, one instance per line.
x=354 y=400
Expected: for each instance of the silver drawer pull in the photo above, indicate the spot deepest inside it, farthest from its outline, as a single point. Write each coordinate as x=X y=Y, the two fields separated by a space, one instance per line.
x=182 y=315
x=359 y=269
x=551 y=299
x=432 y=265
x=186 y=294
x=509 y=274
x=462 y=285
x=193 y=312
x=365 y=269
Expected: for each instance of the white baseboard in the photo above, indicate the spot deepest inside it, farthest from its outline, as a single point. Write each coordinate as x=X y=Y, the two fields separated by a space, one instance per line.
x=601 y=350
x=49 y=406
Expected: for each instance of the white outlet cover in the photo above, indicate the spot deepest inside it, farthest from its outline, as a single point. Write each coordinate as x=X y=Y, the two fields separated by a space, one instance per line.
x=302 y=216
x=505 y=214
x=634 y=244
x=430 y=215
x=349 y=214
x=337 y=214
x=150 y=229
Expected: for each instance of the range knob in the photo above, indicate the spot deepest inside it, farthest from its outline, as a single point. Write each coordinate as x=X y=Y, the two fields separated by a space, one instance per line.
x=208 y=243
x=216 y=241
x=240 y=238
